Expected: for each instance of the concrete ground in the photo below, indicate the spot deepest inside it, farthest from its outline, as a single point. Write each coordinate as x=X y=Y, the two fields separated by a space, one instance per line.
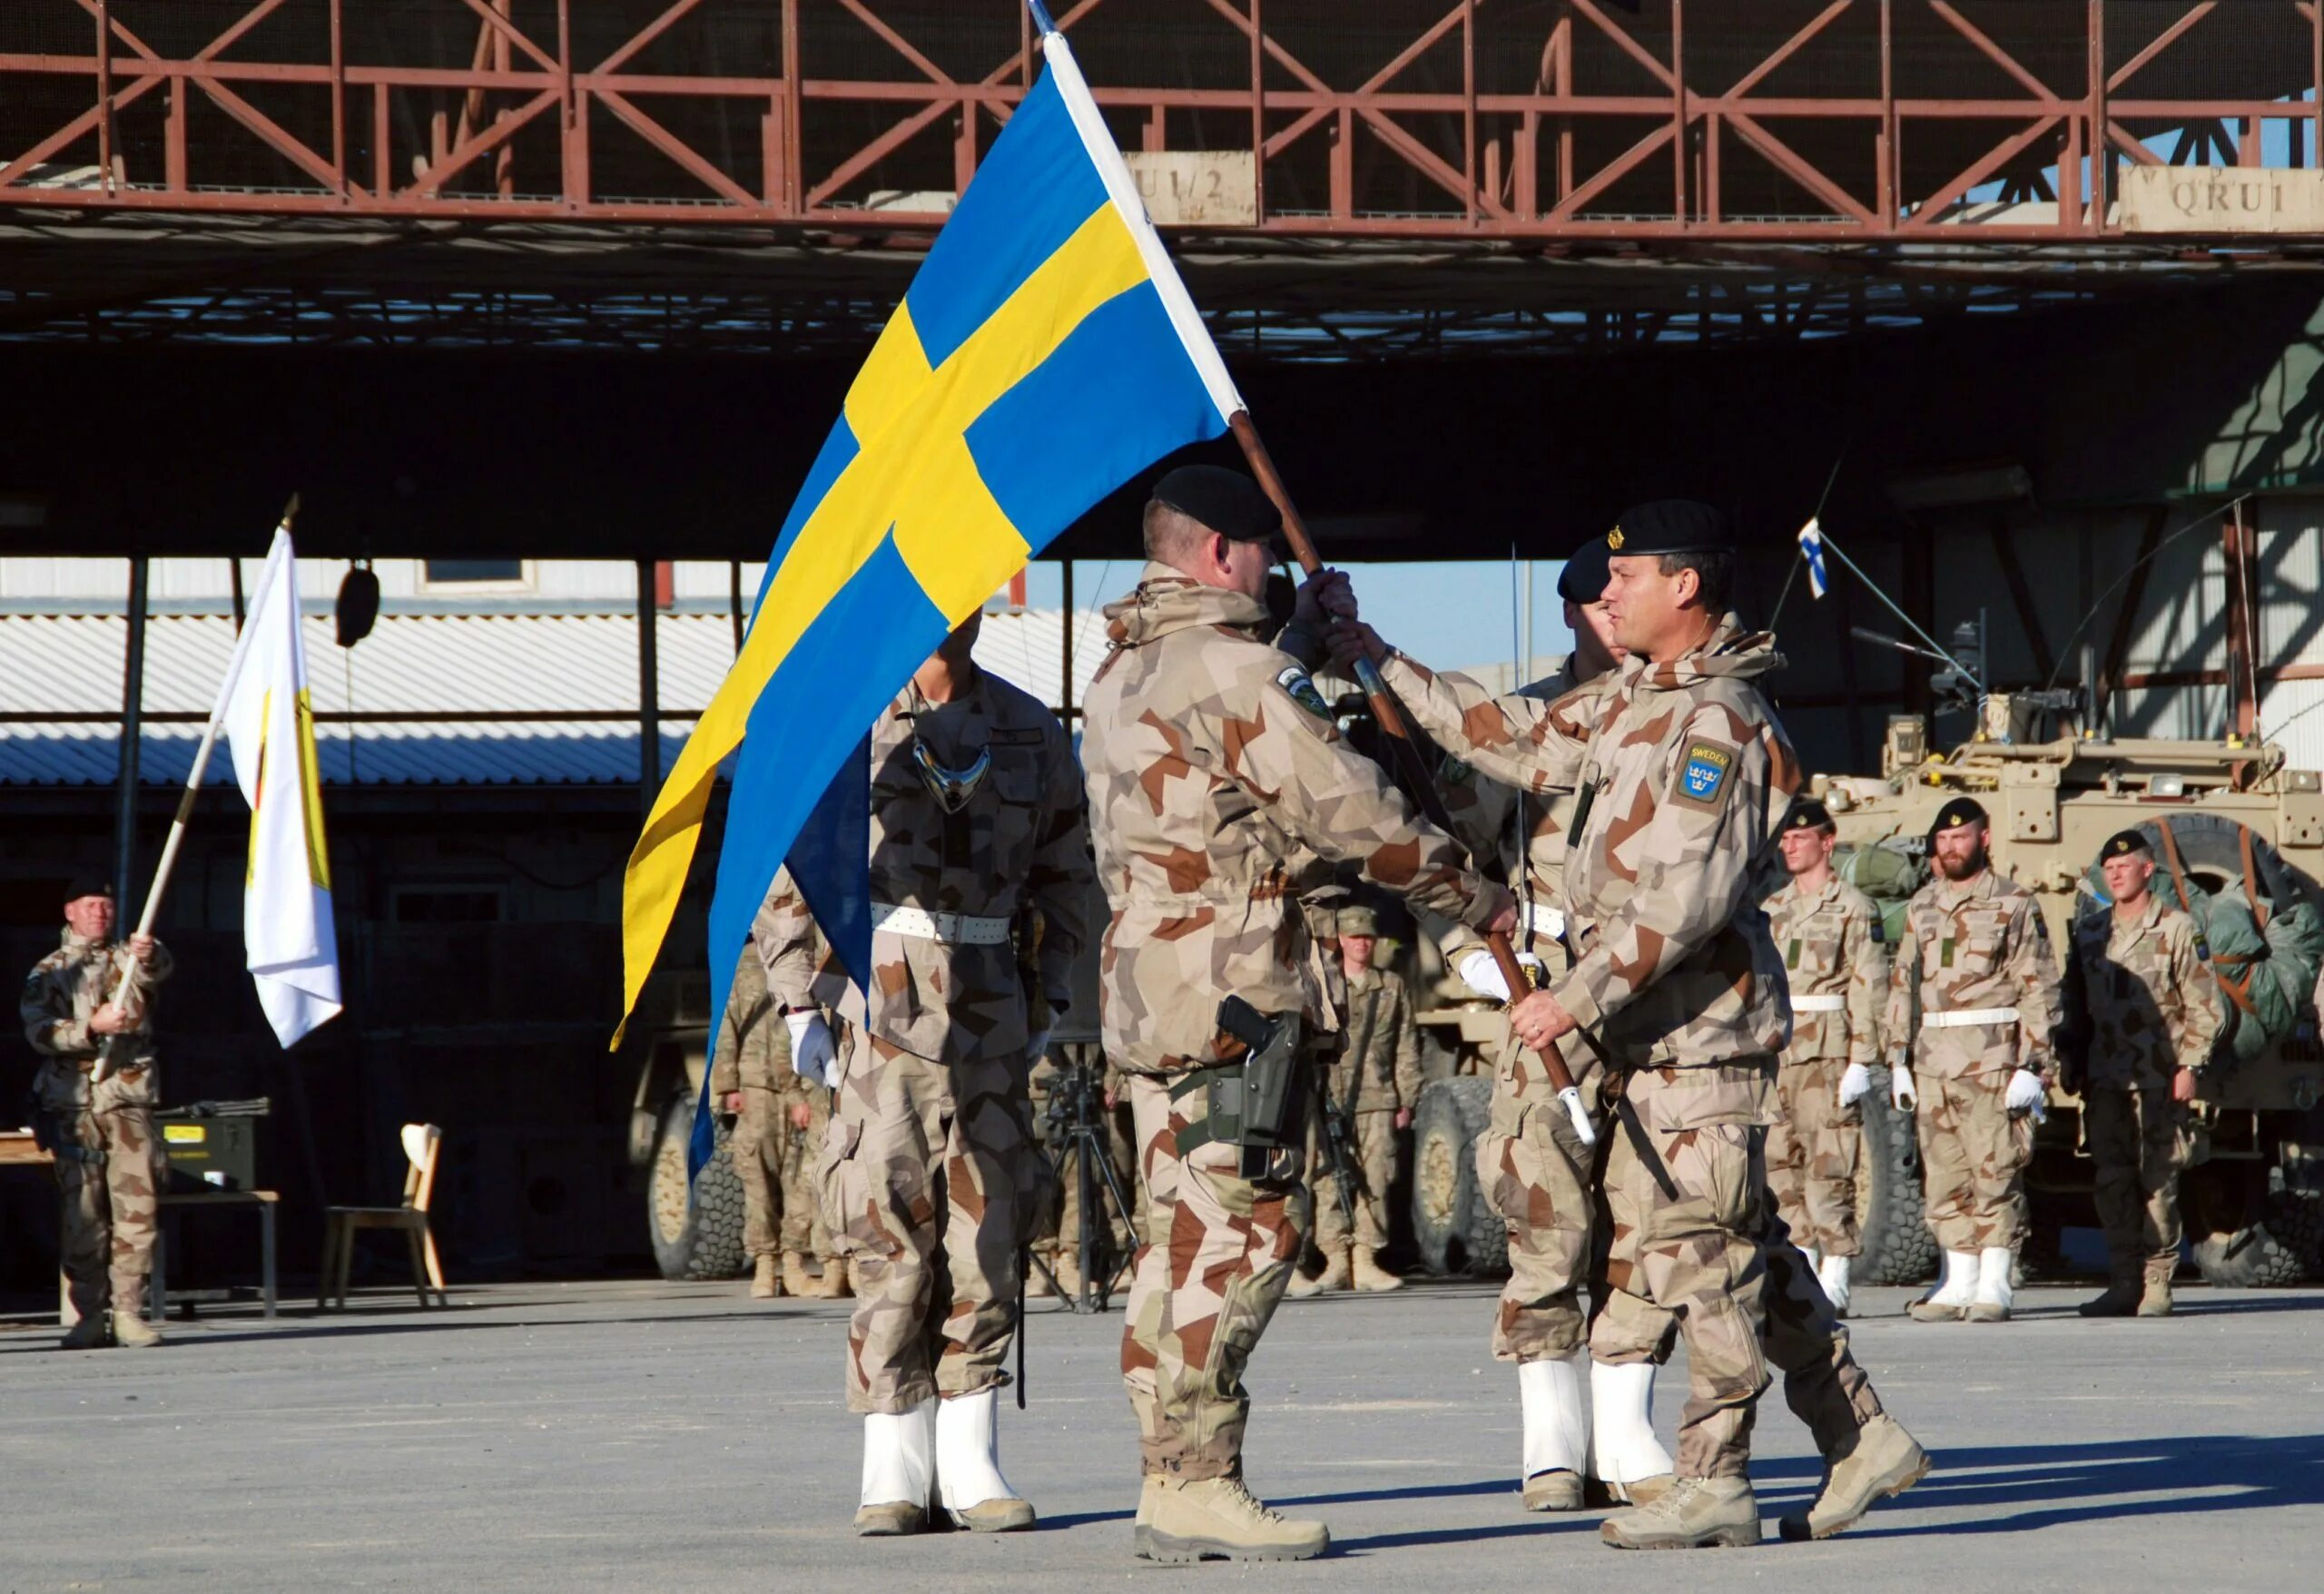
x=637 y=1435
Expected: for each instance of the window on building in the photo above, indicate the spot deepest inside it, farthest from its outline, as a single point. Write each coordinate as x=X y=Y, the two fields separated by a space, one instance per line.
x=472 y=572
x=446 y=905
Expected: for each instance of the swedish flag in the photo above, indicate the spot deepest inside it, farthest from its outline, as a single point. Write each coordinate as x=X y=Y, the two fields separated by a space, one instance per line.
x=1045 y=353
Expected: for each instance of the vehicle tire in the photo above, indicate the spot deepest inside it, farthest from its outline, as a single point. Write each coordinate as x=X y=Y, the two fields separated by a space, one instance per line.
x=2295 y=1217
x=696 y=1234
x=1898 y=1248
x=1457 y=1233
x=2250 y=1258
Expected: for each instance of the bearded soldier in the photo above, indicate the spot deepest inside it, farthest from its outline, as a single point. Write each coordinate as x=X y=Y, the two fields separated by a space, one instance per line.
x=1837 y=969
x=109 y=1162
x=1221 y=791
x=930 y=1164
x=2146 y=1011
x=1973 y=1002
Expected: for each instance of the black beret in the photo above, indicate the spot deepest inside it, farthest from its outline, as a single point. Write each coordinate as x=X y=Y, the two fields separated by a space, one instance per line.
x=1961 y=810
x=2123 y=844
x=87 y=885
x=1583 y=579
x=1807 y=814
x=1227 y=501
x=1670 y=526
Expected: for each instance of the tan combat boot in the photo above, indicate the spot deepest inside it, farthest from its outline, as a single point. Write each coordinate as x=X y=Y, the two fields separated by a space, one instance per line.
x=88 y=1334
x=1149 y=1490
x=767 y=1280
x=2121 y=1299
x=1370 y=1274
x=1887 y=1461
x=2154 y=1297
x=1037 y=1282
x=834 y=1284
x=795 y=1279
x=1697 y=1513
x=1218 y=1517
x=132 y=1332
x=1069 y=1272
x=1334 y=1276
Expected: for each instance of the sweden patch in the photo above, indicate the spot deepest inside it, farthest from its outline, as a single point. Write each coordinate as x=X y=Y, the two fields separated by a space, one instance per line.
x=1294 y=681
x=1702 y=778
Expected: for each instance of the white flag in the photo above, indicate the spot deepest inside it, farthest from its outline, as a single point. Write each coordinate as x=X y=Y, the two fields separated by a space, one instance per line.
x=292 y=949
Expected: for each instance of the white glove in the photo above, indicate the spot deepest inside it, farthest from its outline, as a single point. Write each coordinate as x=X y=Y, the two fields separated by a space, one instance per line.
x=1481 y=974
x=2026 y=1094
x=814 y=1055
x=1902 y=1094
x=1855 y=1084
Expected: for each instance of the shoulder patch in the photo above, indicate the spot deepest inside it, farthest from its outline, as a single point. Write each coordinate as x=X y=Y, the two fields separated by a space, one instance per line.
x=1702 y=774
x=1879 y=928
x=1294 y=681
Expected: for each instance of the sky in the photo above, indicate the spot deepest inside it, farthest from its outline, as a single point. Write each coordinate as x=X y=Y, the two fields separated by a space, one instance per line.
x=1452 y=614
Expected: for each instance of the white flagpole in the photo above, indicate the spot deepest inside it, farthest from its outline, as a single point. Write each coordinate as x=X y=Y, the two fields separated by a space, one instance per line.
x=163 y=870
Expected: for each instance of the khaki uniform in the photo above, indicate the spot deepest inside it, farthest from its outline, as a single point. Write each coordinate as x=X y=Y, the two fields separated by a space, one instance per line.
x=1221 y=790
x=773 y=1158
x=1687 y=778
x=1838 y=975
x=110 y=1165
x=1979 y=947
x=1533 y=1171
x=1375 y=1076
x=930 y=1174
x=2152 y=1009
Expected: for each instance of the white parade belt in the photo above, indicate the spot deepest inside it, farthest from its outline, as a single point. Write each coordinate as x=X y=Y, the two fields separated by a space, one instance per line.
x=1543 y=921
x=1967 y=1017
x=1819 y=1004
x=964 y=930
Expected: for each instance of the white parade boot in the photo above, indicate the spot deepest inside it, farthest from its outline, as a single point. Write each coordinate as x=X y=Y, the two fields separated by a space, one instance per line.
x=898 y=1466
x=1833 y=1276
x=968 y=1484
x=1949 y=1301
x=1625 y=1458
x=1557 y=1434
x=1991 y=1304
x=1815 y=1258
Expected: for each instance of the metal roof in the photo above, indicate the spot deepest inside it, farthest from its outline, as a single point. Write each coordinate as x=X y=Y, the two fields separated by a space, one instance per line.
x=522 y=670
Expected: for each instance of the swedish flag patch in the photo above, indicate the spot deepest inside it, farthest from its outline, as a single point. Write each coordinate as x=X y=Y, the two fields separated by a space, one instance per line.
x=1702 y=778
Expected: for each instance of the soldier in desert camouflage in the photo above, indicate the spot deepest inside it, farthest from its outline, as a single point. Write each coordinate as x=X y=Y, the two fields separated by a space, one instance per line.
x=1220 y=792
x=1973 y=1002
x=109 y=1162
x=2144 y=1011
x=1837 y=969
x=929 y=1172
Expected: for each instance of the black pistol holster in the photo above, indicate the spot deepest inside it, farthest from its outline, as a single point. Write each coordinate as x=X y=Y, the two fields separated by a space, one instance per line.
x=1253 y=1103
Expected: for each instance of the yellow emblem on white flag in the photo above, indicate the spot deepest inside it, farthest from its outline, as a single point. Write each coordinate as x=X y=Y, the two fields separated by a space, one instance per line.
x=292 y=949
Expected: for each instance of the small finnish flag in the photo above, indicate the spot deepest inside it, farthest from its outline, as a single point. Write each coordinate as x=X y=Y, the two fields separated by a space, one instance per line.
x=1811 y=548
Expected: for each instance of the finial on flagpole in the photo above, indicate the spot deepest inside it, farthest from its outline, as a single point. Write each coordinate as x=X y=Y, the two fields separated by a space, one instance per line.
x=1041 y=16
x=289 y=511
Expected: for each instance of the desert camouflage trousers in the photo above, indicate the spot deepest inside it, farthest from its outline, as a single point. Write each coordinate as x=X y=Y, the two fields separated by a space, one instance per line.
x=929 y=1176
x=1534 y=1173
x=1215 y=1257
x=1974 y=1153
x=2138 y=1139
x=109 y=1178
x=775 y=1160
x=1373 y=1149
x=1813 y=1155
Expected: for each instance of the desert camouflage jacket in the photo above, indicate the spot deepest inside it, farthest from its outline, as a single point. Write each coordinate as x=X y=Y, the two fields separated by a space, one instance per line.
x=1974 y=946
x=1491 y=754
x=2144 y=997
x=1379 y=1069
x=1221 y=791
x=1017 y=848
x=1831 y=946
x=754 y=1046
x=72 y=982
x=1683 y=777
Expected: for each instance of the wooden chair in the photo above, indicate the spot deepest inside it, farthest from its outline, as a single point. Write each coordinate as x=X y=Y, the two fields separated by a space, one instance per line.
x=421 y=1142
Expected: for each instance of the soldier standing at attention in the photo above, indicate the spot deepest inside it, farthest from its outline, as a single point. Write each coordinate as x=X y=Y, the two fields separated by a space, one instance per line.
x=1971 y=1005
x=1829 y=935
x=1371 y=1087
x=929 y=1172
x=776 y=1114
x=108 y=1161
x=2139 y=997
x=1221 y=790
